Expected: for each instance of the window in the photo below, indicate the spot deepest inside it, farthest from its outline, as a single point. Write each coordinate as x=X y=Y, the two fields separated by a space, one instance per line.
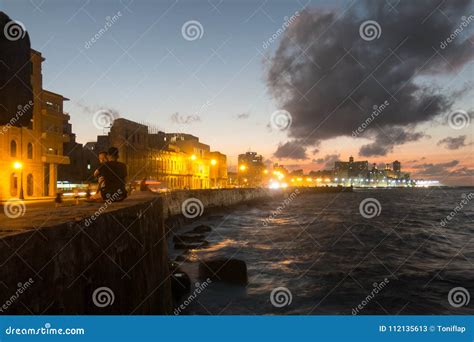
x=13 y=148
x=13 y=184
x=30 y=151
x=29 y=185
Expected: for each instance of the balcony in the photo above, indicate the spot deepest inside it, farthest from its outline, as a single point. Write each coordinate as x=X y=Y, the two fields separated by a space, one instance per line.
x=55 y=136
x=55 y=159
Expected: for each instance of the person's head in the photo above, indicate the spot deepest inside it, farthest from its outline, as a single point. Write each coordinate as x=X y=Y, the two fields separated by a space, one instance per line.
x=102 y=157
x=113 y=153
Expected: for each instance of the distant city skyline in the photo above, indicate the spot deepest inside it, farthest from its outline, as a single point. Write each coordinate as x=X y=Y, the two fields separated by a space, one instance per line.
x=218 y=85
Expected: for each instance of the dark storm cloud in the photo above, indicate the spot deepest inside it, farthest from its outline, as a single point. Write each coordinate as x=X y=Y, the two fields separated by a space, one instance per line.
x=439 y=169
x=385 y=141
x=330 y=79
x=291 y=150
x=453 y=143
x=328 y=160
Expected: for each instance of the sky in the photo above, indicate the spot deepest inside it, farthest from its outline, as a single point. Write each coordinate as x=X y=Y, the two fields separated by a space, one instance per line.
x=225 y=85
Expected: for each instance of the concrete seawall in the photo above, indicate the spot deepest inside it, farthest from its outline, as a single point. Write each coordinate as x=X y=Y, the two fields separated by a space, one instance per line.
x=60 y=260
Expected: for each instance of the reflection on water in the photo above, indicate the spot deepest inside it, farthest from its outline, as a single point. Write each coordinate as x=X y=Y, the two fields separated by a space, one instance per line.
x=329 y=256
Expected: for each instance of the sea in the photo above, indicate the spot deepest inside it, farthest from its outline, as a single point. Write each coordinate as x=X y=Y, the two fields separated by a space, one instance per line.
x=378 y=251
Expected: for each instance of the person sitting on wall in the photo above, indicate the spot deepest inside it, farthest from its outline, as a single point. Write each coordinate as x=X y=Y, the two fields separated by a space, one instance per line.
x=100 y=180
x=115 y=174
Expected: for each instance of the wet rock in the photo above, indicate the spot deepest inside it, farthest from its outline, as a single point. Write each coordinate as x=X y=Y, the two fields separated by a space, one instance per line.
x=180 y=283
x=188 y=238
x=202 y=229
x=233 y=271
x=184 y=245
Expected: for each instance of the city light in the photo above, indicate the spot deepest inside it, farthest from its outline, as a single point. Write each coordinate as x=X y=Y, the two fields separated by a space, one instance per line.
x=17 y=165
x=265 y=171
x=193 y=157
x=242 y=167
x=213 y=162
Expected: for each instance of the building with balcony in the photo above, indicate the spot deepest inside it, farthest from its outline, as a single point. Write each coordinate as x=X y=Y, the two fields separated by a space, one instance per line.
x=30 y=154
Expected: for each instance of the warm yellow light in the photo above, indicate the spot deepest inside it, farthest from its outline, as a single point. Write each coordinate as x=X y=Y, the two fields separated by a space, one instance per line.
x=327 y=180
x=299 y=179
x=213 y=162
x=265 y=171
x=318 y=180
x=17 y=165
x=308 y=179
x=193 y=157
x=242 y=167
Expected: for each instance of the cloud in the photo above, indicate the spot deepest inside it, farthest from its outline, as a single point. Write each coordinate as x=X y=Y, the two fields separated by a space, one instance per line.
x=331 y=88
x=328 y=160
x=440 y=169
x=291 y=150
x=184 y=120
x=242 y=116
x=453 y=143
x=384 y=142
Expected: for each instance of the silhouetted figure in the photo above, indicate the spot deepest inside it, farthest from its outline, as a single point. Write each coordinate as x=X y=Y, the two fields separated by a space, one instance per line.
x=58 y=199
x=115 y=174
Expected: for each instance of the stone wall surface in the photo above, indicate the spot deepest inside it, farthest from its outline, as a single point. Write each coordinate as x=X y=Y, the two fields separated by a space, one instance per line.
x=53 y=260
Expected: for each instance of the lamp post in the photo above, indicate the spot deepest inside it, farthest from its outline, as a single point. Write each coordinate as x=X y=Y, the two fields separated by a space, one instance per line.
x=213 y=163
x=19 y=166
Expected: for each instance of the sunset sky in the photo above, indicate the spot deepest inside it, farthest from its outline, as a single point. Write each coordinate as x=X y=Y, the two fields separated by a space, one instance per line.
x=225 y=85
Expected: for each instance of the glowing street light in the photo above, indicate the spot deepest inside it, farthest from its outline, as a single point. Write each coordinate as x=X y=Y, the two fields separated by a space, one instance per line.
x=193 y=157
x=242 y=167
x=19 y=166
x=213 y=162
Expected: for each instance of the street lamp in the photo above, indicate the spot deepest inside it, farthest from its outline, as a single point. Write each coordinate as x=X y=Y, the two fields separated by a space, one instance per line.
x=242 y=167
x=213 y=163
x=19 y=166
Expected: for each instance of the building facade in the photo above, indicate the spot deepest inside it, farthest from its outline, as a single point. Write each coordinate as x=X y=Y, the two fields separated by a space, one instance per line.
x=30 y=155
